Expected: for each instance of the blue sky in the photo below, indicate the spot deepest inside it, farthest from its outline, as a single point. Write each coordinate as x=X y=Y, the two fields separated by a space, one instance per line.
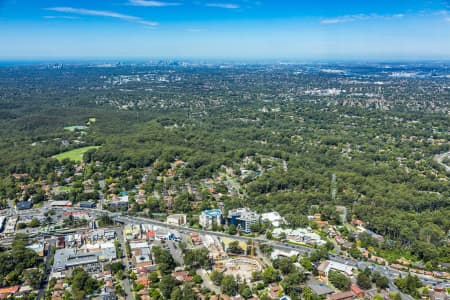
x=234 y=29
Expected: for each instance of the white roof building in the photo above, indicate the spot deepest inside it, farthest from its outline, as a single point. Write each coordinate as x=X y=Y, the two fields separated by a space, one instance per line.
x=177 y=219
x=328 y=265
x=274 y=218
x=63 y=203
x=70 y=257
x=97 y=246
x=277 y=253
x=302 y=235
x=138 y=245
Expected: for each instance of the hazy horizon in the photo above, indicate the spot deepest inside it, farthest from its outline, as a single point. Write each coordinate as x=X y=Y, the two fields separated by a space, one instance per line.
x=224 y=30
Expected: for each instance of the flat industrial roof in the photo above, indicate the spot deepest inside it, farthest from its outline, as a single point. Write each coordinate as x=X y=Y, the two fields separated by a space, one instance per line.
x=70 y=257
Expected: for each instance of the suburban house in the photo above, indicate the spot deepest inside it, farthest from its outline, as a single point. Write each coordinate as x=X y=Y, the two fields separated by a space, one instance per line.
x=357 y=290
x=320 y=288
x=342 y=296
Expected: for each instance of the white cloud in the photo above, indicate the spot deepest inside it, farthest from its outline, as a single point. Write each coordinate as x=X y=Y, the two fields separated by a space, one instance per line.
x=358 y=17
x=90 y=12
x=337 y=20
x=445 y=14
x=61 y=17
x=102 y=13
x=148 y=23
x=223 y=5
x=152 y=3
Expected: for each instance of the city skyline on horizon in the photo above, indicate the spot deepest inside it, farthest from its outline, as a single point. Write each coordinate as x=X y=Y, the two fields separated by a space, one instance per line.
x=233 y=30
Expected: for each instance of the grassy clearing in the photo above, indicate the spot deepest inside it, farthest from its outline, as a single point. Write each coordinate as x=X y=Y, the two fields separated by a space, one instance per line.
x=75 y=154
x=65 y=188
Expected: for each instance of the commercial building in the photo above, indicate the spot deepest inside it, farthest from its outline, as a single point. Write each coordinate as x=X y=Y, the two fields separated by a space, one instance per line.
x=177 y=219
x=130 y=232
x=69 y=258
x=141 y=254
x=300 y=235
x=87 y=204
x=77 y=215
x=326 y=266
x=210 y=217
x=162 y=233
x=119 y=202
x=243 y=218
x=22 y=205
x=277 y=253
x=60 y=203
x=274 y=218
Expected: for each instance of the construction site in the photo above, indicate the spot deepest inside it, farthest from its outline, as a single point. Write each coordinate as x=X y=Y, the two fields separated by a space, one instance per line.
x=239 y=266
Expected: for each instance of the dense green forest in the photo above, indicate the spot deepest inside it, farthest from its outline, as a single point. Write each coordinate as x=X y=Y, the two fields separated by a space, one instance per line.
x=381 y=155
x=20 y=264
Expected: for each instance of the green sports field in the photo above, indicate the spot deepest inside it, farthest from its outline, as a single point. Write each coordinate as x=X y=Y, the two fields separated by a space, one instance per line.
x=75 y=154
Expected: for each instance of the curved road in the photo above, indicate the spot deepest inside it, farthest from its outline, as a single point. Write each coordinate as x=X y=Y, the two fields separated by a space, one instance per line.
x=439 y=159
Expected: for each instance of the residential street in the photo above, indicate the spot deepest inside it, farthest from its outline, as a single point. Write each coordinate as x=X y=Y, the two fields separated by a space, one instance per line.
x=126 y=282
x=207 y=282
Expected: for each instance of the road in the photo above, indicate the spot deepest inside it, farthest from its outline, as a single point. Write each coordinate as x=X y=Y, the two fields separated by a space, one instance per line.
x=278 y=245
x=387 y=271
x=439 y=159
x=47 y=269
x=390 y=273
x=101 y=183
x=207 y=282
x=12 y=211
x=176 y=252
x=125 y=282
x=263 y=257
